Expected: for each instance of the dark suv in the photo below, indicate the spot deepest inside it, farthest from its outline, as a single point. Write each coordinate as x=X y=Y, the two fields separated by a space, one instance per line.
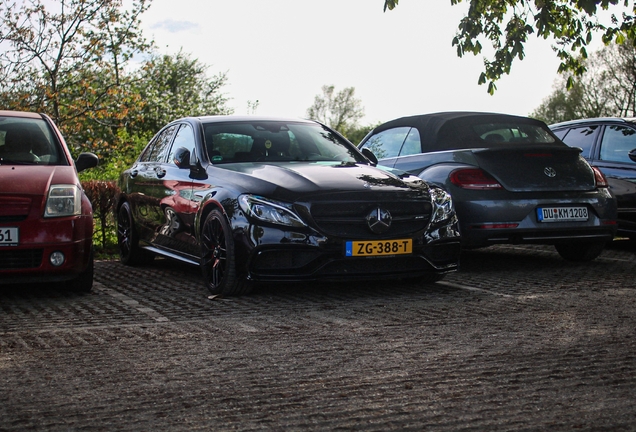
x=610 y=145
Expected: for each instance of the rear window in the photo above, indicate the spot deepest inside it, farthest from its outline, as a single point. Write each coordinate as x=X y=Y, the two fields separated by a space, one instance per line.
x=513 y=133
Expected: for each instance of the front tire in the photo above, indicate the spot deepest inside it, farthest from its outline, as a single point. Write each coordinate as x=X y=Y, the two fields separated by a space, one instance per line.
x=128 y=240
x=218 y=261
x=580 y=252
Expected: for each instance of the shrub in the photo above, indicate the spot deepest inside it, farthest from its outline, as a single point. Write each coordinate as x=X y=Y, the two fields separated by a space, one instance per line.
x=102 y=196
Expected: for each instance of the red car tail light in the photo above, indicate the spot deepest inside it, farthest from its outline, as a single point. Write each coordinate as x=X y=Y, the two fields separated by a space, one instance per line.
x=473 y=178
x=601 y=180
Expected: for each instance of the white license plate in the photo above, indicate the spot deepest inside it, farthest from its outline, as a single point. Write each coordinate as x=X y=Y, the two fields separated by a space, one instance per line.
x=562 y=214
x=9 y=236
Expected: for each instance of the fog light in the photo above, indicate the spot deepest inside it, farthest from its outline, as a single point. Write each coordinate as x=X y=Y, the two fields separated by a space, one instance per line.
x=57 y=259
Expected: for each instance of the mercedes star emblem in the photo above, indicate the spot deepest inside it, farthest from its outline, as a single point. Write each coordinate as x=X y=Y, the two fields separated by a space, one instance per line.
x=379 y=220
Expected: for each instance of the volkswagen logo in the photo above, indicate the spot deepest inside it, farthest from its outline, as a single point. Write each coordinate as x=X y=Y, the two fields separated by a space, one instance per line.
x=549 y=171
x=379 y=220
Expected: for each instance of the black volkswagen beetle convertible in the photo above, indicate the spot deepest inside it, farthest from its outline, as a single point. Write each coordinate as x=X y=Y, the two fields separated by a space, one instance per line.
x=255 y=199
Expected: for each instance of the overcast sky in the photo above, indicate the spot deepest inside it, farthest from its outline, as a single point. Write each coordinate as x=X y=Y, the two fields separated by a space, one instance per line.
x=281 y=52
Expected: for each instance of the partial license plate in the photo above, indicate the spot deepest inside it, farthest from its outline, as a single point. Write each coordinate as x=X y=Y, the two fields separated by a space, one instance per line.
x=379 y=247
x=9 y=236
x=562 y=214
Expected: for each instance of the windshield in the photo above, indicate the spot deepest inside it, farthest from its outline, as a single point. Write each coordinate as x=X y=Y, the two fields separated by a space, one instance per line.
x=28 y=142
x=260 y=141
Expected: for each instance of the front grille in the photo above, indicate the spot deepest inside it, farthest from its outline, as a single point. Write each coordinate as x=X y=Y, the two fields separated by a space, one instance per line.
x=14 y=208
x=20 y=259
x=10 y=219
x=347 y=218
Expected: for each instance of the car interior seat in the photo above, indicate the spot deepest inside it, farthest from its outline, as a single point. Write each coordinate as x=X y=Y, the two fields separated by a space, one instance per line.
x=17 y=146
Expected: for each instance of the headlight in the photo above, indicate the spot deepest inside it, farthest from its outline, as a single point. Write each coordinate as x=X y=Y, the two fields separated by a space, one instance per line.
x=63 y=200
x=269 y=211
x=442 y=204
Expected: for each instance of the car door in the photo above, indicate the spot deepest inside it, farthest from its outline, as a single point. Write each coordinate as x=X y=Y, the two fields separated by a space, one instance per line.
x=178 y=207
x=147 y=176
x=612 y=159
x=606 y=146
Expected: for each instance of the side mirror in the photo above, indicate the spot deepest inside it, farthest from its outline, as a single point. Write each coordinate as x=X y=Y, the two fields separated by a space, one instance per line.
x=182 y=157
x=85 y=161
x=369 y=155
x=632 y=154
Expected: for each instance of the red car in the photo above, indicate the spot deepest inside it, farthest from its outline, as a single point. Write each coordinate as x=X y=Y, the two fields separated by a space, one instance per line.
x=46 y=220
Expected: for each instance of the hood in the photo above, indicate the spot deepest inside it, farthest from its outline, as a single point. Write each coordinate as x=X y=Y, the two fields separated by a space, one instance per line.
x=295 y=178
x=34 y=179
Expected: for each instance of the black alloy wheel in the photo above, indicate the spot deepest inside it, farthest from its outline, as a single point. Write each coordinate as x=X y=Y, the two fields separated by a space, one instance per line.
x=217 y=257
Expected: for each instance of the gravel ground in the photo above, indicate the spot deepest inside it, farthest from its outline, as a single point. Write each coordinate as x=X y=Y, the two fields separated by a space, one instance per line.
x=518 y=340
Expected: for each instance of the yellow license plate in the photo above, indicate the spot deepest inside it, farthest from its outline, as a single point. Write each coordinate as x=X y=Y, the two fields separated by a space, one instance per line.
x=379 y=247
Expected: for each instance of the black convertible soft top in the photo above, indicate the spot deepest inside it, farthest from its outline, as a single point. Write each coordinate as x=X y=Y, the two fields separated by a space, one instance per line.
x=456 y=129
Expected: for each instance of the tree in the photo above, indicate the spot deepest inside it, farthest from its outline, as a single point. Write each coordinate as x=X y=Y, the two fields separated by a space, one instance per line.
x=67 y=58
x=340 y=111
x=507 y=24
x=607 y=88
x=178 y=86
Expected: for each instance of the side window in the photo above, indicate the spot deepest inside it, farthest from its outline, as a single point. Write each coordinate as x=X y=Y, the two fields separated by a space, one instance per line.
x=157 y=151
x=560 y=133
x=617 y=143
x=145 y=155
x=387 y=143
x=583 y=137
x=184 y=138
x=412 y=144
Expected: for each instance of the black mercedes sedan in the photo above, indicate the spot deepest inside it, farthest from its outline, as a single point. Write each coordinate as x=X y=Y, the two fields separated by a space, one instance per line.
x=512 y=180
x=256 y=199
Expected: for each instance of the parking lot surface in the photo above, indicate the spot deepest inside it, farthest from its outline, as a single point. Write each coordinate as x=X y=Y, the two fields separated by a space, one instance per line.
x=518 y=339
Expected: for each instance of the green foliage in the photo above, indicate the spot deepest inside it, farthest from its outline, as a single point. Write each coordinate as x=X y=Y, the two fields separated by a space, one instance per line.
x=340 y=111
x=607 y=88
x=506 y=25
x=178 y=86
x=128 y=148
x=67 y=59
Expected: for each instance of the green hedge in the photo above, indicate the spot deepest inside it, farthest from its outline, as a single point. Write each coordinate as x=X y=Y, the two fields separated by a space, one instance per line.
x=102 y=196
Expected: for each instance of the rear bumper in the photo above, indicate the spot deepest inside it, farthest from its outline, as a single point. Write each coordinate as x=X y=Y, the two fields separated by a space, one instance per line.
x=514 y=220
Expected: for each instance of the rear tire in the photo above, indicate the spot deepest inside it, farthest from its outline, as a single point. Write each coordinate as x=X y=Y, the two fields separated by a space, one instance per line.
x=580 y=252
x=218 y=261
x=128 y=240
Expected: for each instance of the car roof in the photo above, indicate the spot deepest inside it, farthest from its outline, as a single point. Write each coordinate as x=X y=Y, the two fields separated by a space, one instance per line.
x=594 y=120
x=245 y=118
x=432 y=122
x=24 y=114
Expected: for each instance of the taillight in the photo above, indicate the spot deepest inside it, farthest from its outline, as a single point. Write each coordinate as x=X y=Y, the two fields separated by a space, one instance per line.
x=599 y=177
x=473 y=178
